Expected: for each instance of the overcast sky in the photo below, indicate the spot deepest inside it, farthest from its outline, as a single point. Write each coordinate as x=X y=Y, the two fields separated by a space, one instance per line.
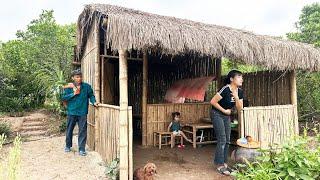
x=269 y=17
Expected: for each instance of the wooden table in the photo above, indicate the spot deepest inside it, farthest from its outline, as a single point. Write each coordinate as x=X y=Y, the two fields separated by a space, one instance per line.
x=195 y=127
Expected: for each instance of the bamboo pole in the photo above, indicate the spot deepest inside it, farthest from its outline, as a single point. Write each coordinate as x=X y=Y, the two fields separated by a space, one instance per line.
x=130 y=143
x=218 y=74
x=144 y=98
x=97 y=64
x=294 y=101
x=123 y=115
x=102 y=80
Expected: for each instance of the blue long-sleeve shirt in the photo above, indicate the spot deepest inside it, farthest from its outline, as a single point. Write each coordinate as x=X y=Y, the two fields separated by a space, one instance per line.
x=78 y=104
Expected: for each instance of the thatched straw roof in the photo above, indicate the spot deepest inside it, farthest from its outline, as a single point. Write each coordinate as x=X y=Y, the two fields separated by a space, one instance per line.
x=132 y=29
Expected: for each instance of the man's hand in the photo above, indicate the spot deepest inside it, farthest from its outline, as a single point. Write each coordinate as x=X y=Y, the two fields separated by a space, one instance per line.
x=76 y=92
x=95 y=104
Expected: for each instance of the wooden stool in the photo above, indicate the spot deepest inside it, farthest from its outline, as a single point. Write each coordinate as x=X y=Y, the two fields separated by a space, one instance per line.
x=161 y=135
x=173 y=140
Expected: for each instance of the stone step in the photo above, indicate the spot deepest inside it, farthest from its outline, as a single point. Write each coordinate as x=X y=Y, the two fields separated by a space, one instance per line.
x=27 y=119
x=33 y=133
x=33 y=128
x=32 y=123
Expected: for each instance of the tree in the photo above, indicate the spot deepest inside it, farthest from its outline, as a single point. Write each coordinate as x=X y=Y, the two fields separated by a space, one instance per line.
x=308 y=84
x=36 y=63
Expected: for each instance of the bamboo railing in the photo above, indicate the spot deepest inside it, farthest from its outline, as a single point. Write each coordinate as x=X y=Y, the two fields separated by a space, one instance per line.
x=271 y=125
x=104 y=134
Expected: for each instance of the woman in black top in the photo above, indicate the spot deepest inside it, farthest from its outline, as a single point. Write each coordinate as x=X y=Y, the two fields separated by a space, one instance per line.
x=228 y=97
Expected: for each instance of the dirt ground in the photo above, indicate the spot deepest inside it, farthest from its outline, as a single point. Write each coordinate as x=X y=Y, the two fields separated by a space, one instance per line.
x=179 y=164
x=45 y=159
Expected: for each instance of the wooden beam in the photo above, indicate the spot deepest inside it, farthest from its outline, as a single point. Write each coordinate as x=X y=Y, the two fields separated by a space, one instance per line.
x=144 y=98
x=294 y=99
x=97 y=65
x=117 y=57
x=218 y=74
x=123 y=115
x=102 y=81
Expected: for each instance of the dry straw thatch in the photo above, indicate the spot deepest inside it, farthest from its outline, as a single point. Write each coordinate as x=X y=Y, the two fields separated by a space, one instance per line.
x=131 y=29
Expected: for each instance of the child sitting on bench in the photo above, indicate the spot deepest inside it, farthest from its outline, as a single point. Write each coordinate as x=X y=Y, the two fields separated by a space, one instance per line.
x=175 y=127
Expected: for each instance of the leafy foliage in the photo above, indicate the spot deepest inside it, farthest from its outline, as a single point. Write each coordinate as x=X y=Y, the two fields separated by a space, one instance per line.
x=298 y=159
x=36 y=64
x=112 y=170
x=308 y=28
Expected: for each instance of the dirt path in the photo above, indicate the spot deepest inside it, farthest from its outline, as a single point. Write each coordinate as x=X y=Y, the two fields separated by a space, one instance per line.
x=45 y=159
x=177 y=164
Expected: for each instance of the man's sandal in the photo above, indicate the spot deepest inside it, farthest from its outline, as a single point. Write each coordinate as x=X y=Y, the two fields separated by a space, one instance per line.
x=223 y=170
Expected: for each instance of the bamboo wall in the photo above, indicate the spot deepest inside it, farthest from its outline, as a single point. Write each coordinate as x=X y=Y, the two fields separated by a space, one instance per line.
x=268 y=124
x=162 y=73
x=159 y=116
x=91 y=128
x=107 y=140
x=266 y=88
x=88 y=74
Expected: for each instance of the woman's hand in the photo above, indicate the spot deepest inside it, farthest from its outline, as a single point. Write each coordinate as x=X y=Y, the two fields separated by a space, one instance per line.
x=235 y=94
x=227 y=112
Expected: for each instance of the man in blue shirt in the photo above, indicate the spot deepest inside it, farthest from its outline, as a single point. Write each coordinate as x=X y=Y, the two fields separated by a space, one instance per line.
x=77 y=96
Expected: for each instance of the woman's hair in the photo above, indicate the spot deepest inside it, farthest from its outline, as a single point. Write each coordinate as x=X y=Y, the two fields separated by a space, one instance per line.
x=231 y=74
x=175 y=114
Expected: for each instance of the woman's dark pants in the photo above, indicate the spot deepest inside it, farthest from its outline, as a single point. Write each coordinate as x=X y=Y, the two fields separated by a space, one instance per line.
x=222 y=129
x=82 y=135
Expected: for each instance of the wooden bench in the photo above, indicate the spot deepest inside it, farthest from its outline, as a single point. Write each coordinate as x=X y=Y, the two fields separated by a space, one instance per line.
x=158 y=136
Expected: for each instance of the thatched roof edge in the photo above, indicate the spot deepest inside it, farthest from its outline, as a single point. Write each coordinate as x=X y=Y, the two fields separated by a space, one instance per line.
x=132 y=29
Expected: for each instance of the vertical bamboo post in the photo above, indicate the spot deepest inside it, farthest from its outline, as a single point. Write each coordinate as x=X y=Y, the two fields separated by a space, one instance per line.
x=218 y=74
x=97 y=64
x=123 y=115
x=294 y=99
x=102 y=80
x=144 y=98
x=96 y=82
x=130 y=143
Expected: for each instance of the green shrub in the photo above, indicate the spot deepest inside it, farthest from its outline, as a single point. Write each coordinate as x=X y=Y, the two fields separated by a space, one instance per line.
x=112 y=170
x=5 y=129
x=298 y=159
x=63 y=126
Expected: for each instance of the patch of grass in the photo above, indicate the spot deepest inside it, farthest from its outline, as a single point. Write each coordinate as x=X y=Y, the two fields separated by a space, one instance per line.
x=5 y=129
x=11 y=169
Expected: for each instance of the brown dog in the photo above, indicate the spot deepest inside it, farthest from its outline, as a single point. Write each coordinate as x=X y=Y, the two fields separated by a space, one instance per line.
x=145 y=173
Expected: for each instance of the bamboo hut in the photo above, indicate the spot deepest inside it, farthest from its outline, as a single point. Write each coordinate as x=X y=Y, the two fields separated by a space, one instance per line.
x=131 y=58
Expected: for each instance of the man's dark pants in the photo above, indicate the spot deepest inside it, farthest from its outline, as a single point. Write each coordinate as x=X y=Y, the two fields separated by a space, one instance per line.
x=82 y=135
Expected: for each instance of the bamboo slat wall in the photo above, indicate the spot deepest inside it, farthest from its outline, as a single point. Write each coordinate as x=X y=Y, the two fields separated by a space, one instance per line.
x=107 y=144
x=160 y=77
x=268 y=124
x=89 y=58
x=266 y=88
x=91 y=128
x=88 y=72
x=159 y=116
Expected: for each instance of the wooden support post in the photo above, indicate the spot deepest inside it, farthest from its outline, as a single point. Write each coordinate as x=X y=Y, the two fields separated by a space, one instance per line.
x=102 y=81
x=144 y=98
x=294 y=99
x=96 y=81
x=123 y=115
x=97 y=65
x=218 y=74
x=130 y=143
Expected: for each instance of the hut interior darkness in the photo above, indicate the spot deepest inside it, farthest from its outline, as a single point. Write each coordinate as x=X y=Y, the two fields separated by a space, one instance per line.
x=131 y=58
